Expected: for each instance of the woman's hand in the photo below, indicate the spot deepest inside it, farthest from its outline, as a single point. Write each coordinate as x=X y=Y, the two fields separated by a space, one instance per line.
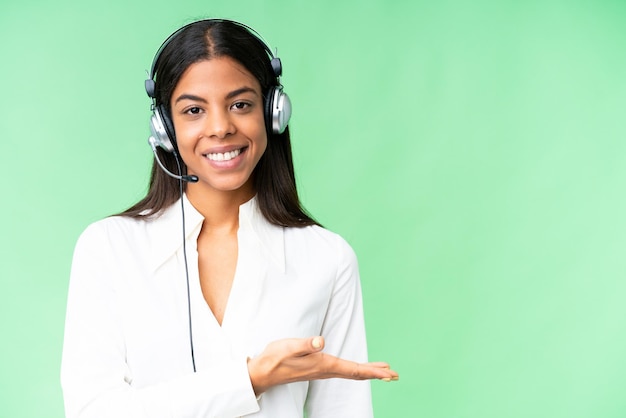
x=302 y=359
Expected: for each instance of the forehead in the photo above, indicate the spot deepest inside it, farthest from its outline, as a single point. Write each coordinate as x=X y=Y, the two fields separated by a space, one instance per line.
x=216 y=75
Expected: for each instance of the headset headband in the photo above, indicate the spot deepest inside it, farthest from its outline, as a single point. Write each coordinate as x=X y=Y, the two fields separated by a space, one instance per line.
x=275 y=61
x=277 y=106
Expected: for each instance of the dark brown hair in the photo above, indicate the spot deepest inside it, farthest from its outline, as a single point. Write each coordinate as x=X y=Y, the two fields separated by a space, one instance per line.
x=274 y=177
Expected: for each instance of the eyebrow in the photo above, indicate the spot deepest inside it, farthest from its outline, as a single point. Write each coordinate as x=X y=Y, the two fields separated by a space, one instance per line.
x=242 y=90
x=230 y=95
x=190 y=97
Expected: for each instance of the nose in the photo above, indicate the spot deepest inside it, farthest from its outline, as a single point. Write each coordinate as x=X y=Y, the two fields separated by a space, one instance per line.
x=219 y=124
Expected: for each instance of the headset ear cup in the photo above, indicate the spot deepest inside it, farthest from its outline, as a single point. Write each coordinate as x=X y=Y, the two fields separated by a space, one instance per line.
x=277 y=110
x=282 y=111
x=162 y=129
x=159 y=135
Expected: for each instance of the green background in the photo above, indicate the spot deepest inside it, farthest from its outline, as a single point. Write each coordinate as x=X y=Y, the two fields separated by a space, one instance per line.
x=471 y=152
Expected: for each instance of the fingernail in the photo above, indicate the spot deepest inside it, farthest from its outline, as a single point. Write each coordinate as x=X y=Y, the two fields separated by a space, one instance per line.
x=317 y=342
x=395 y=378
x=386 y=379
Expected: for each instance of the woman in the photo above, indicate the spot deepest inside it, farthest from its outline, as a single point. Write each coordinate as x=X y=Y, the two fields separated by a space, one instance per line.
x=255 y=307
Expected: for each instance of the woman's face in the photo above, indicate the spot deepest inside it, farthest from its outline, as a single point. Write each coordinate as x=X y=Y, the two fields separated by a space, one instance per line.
x=217 y=111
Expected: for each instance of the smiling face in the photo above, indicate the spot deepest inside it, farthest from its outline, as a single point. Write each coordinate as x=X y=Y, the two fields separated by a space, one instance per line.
x=217 y=111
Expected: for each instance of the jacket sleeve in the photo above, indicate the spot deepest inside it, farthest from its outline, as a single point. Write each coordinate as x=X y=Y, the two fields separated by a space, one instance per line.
x=95 y=377
x=344 y=333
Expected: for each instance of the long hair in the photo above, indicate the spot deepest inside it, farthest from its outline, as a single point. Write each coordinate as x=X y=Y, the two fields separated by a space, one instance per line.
x=274 y=177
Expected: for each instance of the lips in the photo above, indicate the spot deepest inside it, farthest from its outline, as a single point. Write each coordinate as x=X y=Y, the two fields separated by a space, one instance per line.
x=224 y=156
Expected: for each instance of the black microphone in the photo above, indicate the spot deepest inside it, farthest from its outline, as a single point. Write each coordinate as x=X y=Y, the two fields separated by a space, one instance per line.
x=190 y=179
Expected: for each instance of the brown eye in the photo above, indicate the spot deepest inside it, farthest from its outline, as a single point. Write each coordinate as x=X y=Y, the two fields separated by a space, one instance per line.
x=240 y=105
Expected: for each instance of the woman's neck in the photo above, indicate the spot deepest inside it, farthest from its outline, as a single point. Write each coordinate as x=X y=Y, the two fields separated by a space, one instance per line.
x=220 y=209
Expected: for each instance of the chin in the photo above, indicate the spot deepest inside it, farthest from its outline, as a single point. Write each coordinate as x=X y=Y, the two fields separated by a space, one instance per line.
x=229 y=186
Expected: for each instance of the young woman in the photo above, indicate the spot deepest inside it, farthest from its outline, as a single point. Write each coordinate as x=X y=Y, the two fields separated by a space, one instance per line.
x=216 y=295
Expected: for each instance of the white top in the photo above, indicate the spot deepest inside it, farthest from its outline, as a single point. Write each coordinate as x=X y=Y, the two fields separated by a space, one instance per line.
x=127 y=347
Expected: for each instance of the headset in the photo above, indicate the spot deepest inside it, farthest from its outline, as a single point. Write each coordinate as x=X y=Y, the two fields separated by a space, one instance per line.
x=277 y=106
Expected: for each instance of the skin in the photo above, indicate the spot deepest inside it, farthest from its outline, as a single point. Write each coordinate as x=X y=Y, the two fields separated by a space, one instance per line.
x=217 y=108
x=212 y=118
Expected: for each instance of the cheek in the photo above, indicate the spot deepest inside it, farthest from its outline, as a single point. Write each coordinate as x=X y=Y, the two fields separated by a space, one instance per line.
x=260 y=137
x=262 y=144
x=186 y=130
x=260 y=149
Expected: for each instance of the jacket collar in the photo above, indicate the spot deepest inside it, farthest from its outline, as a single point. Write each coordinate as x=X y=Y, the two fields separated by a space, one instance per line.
x=166 y=235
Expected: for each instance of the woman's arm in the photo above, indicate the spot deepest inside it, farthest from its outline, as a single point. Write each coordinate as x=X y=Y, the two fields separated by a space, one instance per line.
x=344 y=330
x=333 y=363
x=95 y=377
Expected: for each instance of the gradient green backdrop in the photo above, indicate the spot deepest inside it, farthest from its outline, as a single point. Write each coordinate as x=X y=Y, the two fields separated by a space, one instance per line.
x=471 y=152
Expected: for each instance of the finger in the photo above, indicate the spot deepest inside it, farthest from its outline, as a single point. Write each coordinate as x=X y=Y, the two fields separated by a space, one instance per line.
x=367 y=371
x=393 y=375
x=376 y=371
x=312 y=345
x=299 y=347
x=317 y=343
x=360 y=371
x=380 y=364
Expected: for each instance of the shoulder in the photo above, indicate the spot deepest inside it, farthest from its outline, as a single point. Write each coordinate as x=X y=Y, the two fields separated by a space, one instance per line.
x=320 y=243
x=328 y=237
x=118 y=236
x=122 y=244
x=120 y=227
x=114 y=227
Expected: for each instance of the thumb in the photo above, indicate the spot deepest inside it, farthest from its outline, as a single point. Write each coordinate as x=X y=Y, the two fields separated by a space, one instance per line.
x=317 y=343
x=306 y=346
x=297 y=347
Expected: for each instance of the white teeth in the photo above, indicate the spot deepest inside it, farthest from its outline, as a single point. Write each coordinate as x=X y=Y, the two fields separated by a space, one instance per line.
x=218 y=156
